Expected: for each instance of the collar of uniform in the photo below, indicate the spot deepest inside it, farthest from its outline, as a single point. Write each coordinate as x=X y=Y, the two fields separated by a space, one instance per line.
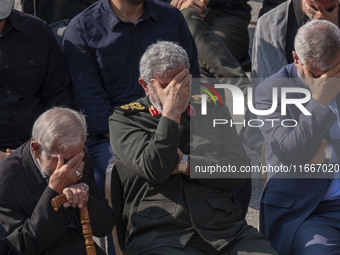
x=145 y=101
x=149 y=12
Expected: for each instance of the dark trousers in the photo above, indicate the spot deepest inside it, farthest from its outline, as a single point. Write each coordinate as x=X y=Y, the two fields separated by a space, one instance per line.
x=248 y=242
x=320 y=233
x=222 y=42
x=102 y=156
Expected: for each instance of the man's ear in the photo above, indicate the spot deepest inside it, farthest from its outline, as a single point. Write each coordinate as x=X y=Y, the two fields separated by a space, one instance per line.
x=296 y=58
x=144 y=85
x=35 y=146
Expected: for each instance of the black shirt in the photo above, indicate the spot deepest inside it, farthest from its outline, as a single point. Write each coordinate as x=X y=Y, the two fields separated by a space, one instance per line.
x=55 y=10
x=33 y=77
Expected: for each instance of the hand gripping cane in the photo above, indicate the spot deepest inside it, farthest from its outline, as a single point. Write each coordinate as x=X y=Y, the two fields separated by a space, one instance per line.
x=84 y=220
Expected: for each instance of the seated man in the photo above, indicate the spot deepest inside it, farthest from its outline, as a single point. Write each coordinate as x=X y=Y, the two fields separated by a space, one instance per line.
x=300 y=214
x=57 y=13
x=274 y=42
x=51 y=163
x=166 y=212
x=220 y=31
x=55 y=10
x=275 y=32
x=33 y=76
x=102 y=47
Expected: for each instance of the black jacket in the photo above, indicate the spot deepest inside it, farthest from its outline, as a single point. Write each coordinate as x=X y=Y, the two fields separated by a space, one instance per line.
x=30 y=224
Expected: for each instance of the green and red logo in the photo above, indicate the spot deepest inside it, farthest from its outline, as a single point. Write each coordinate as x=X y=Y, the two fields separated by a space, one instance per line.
x=210 y=91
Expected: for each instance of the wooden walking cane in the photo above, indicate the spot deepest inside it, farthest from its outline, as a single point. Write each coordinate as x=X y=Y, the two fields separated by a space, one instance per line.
x=84 y=220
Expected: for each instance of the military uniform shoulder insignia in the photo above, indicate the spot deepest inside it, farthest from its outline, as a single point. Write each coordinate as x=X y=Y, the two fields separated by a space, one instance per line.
x=132 y=107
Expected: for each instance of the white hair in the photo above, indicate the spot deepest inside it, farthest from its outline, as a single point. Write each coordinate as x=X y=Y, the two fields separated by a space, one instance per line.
x=317 y=42
x=162 y=58
x=59 y=128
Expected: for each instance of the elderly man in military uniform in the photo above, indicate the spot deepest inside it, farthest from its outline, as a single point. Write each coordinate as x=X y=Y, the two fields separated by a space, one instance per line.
x=167 y=212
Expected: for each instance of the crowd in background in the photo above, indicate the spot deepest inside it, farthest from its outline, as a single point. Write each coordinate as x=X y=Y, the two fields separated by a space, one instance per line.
x=87 y=55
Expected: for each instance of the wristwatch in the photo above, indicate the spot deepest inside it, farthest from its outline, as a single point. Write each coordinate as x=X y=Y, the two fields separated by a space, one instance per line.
x=183 y=165
x=328 y=152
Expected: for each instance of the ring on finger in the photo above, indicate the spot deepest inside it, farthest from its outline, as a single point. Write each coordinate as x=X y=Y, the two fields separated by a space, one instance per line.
x=84 y=186
x=79 y=173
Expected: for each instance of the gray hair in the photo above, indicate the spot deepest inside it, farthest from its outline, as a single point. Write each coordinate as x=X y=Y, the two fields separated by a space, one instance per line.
x=59 y=128
x=161 y=58
x=317 y=42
